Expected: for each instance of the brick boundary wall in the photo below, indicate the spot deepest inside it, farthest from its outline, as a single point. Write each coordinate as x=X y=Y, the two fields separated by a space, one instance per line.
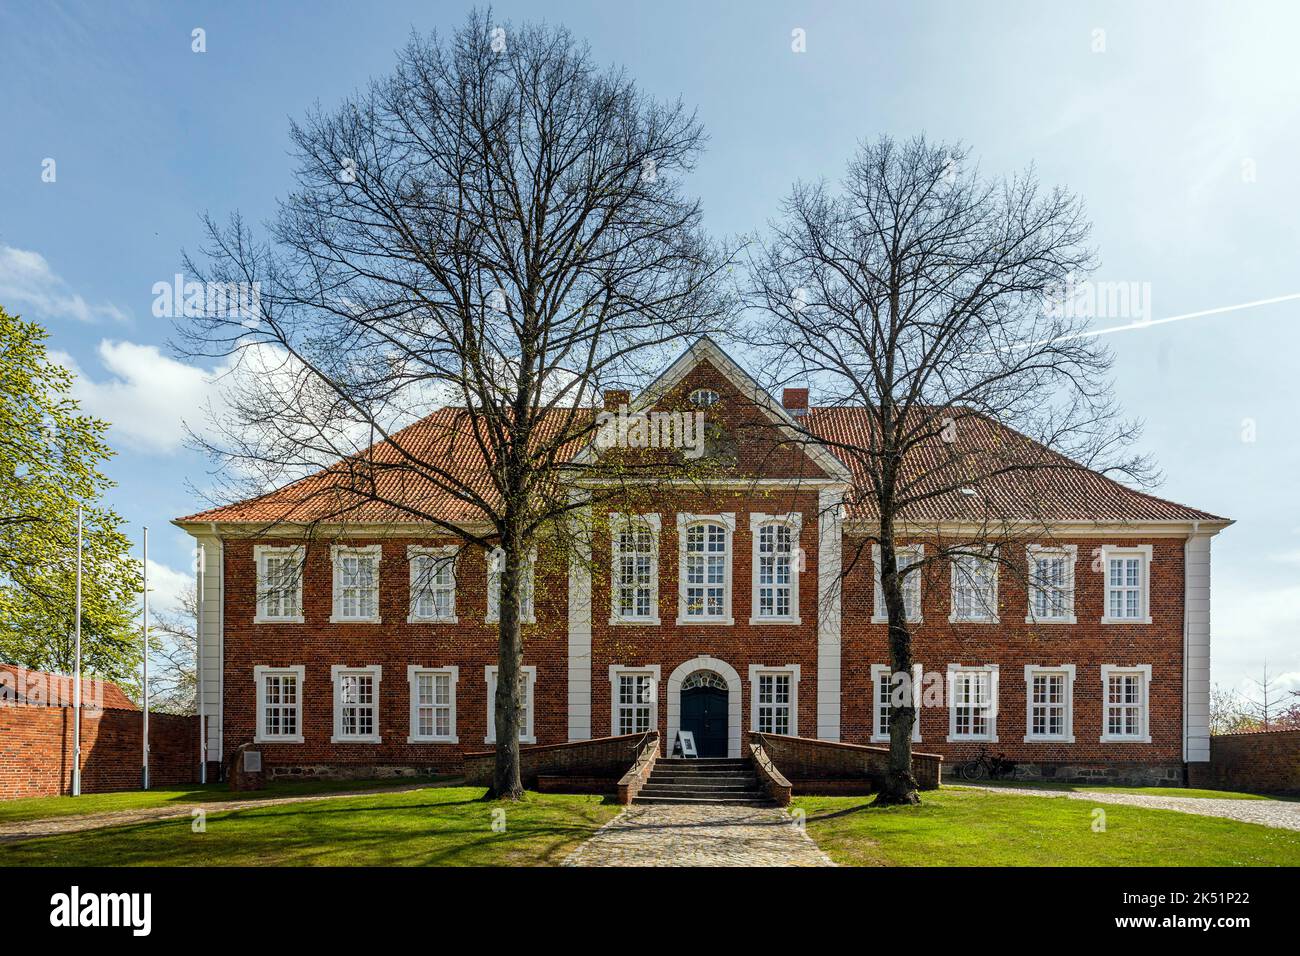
x=821 y=766
x=607 y=758
x=36 y=749
x=1266 y=762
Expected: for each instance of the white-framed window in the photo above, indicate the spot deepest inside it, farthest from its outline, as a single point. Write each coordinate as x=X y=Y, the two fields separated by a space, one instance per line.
x=1125 y=712
x=433 y=704
x=279 y=584
x=775 y=568
x=882 y=688
x=279 y=704
x=433 y=584
x=905 y=556
x=1051 y=584
x=1128 y=584
x=703 y=397
x=704 y=568
x=1049 y=703
x=974 y=589
x=634 y=699
x=527 y=680
x=356 y=583
x=634 y=572
x=973 y=702
x=774 y=699
x=356 y=704
x=495 y=561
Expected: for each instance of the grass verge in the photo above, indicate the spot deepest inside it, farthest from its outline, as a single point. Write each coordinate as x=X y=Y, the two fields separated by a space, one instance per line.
x=442 y=826
x=954 y=827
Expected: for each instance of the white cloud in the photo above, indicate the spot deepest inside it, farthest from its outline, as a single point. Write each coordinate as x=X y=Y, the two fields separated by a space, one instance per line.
x=26 y=280
x=167 y=587
x=147 y=397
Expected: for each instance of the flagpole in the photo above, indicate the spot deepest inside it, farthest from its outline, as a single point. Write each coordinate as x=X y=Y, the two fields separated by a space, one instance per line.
x=144 y=767
x=76 y=680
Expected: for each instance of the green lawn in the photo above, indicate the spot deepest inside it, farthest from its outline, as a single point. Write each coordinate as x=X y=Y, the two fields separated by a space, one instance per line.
x=1146 y=791
x=441 y=826
x=41 y=808
x=957 y=827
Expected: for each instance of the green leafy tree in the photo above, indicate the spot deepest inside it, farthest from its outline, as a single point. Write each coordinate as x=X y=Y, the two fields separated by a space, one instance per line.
x=50 y=459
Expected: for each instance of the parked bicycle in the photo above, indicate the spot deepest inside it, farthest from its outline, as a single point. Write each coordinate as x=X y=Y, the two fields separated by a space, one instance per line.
x=986 y=765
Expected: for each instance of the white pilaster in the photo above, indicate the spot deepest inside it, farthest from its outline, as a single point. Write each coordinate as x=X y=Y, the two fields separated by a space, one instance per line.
x=1196 y=649
x=830 y=547
x=580 y=629
x=208 y=559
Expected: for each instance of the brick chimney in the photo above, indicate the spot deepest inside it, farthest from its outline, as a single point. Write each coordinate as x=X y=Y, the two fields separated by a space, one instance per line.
x=614 y=397
x=795 y=401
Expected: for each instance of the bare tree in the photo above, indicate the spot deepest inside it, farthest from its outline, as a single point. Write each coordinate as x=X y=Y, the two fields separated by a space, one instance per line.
x=1267 y=702
x=498 y=227
x=1229 y=713
x=915 y=294
x=173 y=653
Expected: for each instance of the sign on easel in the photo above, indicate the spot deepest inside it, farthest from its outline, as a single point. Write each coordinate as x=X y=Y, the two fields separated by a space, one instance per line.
x=686 y=743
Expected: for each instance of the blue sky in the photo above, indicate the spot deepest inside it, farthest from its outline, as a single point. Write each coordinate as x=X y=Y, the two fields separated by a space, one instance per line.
x=1177 y=123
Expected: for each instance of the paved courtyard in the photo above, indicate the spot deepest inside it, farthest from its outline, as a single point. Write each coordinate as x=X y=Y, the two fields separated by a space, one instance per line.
x=700 y=835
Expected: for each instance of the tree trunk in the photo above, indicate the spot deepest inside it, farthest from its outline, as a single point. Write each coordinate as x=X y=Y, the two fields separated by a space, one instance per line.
x=506 y=784
x=900 y=784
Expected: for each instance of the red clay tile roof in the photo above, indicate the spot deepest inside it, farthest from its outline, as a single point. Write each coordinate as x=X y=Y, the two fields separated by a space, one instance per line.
x=38 y=688
x=1061 y=491
x=1064 y=492
x=444 y=439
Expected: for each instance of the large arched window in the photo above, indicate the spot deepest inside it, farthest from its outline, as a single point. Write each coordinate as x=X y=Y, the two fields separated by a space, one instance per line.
x=775 y=568
x=704 y=568
x=634 y=586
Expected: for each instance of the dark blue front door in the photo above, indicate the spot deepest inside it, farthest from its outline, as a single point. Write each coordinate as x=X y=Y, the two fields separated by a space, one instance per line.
x=704 y=713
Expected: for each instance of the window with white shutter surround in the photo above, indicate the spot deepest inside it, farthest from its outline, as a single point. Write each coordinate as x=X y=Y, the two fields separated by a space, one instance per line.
x=905 y=556
x=356 y=704
x=1051 y=584
x=774 y=699
x=433 y=584
x=279 y=584
x=974 y=589
x=495 y=562
x=973 y=703
x=1125 y=703
x=634 y=594
x=704 y=568
x=1127 y=579
x=279 y=704
x=775 y=566
x=433 y=704
x=1049 y=703
x=356 y=583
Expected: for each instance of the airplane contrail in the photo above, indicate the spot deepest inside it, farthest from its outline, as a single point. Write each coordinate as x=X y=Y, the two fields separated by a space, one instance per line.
x=1092 y=333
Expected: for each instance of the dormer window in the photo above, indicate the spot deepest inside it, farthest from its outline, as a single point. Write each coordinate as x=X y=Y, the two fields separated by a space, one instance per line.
x=703 y=397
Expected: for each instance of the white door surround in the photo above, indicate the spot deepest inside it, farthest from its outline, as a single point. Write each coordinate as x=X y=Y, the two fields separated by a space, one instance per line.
x=674 y=691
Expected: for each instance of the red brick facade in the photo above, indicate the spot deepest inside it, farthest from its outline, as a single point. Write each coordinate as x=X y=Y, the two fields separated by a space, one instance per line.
x=772 y=481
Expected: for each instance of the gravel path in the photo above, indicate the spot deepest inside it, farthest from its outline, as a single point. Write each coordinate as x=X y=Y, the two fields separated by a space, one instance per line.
x=700 y=835
x=1270 y=813
x=54 y=826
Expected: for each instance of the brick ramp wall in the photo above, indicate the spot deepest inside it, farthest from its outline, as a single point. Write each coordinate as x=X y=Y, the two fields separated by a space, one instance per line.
x=605 y=759
x=1262 y=762
x=824 y=766
x=36 y=750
